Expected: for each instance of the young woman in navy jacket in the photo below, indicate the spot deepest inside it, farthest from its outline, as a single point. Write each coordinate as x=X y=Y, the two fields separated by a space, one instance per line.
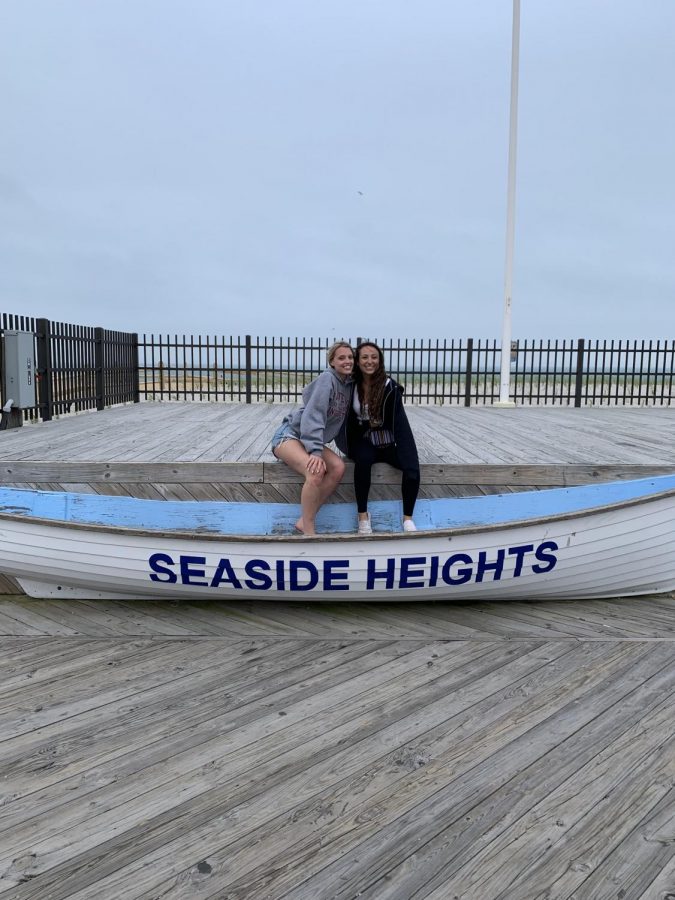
x=378 y=431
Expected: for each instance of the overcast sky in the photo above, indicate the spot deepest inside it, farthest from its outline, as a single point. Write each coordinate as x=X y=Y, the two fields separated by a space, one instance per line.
x=326 y=168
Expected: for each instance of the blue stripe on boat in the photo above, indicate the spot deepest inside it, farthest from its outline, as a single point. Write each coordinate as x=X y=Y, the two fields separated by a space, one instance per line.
x=220 y=517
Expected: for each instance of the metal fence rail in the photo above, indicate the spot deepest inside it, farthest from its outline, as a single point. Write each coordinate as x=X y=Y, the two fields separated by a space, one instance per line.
x=78 y=367
x=560 y=372
x=81 y=367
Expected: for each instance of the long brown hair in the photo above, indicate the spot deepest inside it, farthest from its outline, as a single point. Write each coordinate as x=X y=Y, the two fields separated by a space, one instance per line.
x=376 y=387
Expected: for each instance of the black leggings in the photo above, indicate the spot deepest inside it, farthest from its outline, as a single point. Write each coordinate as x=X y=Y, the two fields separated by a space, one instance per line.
x=365 y=456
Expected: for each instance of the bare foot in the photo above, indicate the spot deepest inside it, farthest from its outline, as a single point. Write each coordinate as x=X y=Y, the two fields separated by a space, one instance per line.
x=300 y=525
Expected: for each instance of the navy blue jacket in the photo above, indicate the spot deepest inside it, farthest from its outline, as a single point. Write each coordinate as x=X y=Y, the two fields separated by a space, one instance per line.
x=394 y=419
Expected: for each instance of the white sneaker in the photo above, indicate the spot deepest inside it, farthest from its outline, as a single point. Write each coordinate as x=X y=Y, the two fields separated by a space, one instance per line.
x=365 y=526
x=409 y=525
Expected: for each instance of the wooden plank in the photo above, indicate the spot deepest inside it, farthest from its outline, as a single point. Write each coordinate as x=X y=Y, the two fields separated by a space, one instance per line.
x=295 y=713
x=582 y=836
x=302 y=819
x=192 y=742
x=62 y=659
x=77 y=687
x=291 y=622
x=144 y=491
x=555 y=435
x=115 y=472
x=260 y=429
x=219 y=429
x=163 y=747
x=492 y=871
x=526 y=768
x=636 y=853
x=627 y=618
x=621 y=618
x=210 y=617
x=24 y=655
x=135 y=618
x=265 y=493
x=8 y=585
x=477 y=440
x=16 y=608
x=327 y=619
x=663 y=885
x=79 y=619
x=563 y=837
x=137 y=781
x=344 y=782
x=174 y=425
x=549 y=475
x=11 y=626
x=167 y=618
x=260 y=448
x=74 y=695
x=152 y=718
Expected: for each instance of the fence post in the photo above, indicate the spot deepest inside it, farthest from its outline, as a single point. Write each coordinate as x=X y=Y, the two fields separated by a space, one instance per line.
x=580 y=371
x=248 y=368
x=135 y=376
x=44 y=369
x=469 y=372
x=98 y=368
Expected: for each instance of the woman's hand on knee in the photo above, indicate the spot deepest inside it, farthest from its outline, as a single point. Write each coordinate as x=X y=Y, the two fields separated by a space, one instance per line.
x=316 y=466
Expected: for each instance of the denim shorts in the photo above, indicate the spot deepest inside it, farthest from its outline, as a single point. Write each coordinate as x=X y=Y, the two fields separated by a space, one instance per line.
x=283 y=433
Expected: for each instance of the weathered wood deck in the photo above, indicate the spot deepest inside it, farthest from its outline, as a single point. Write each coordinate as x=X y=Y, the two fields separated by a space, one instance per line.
x=504 y=750
x=216 y=450
x=485 y=751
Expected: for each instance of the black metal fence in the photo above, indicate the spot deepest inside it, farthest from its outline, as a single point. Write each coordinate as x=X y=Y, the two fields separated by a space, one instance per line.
x=561 y=372
x=81 y=367
x=78 y=367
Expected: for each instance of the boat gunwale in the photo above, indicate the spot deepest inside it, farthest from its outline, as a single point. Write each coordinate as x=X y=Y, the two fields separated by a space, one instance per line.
x=337 y=537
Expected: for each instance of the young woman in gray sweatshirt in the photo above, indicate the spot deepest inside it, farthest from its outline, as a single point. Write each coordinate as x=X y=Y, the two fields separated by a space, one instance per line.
x=302 y=437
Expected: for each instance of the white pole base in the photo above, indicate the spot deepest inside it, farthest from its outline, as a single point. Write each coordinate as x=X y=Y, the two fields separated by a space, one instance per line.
x=504 y=404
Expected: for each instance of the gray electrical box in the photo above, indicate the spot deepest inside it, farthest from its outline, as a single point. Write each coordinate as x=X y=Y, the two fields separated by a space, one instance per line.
x=19 y=368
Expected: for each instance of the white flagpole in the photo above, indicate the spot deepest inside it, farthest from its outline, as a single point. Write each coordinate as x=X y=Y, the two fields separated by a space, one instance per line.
x=505 y=376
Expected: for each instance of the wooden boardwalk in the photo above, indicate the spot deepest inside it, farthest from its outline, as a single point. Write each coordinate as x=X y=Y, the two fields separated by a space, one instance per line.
x=238 y=433
x=222 y=451
x=268 y=750
x=182 y=750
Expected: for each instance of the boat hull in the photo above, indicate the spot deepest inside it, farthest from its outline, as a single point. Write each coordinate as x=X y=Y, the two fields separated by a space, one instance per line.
x=602 y=553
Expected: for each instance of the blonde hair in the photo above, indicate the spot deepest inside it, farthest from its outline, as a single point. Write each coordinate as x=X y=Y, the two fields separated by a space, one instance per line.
x=333 y=349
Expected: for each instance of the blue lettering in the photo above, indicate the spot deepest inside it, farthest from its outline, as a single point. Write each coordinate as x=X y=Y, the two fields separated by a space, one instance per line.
x=156 y=562
x=191 y=575
x=253 y=569
x=520 y=553
x=295 y=566
x=329 y=576
x=225 y=574
x=280 y=575
x=484 y=566
x=407 y=572
x=433 y=573
x=549 y=559
x=388 y=574
x=463 y=575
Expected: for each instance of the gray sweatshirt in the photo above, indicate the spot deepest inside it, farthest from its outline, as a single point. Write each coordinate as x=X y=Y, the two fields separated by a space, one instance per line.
x=325 y=404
